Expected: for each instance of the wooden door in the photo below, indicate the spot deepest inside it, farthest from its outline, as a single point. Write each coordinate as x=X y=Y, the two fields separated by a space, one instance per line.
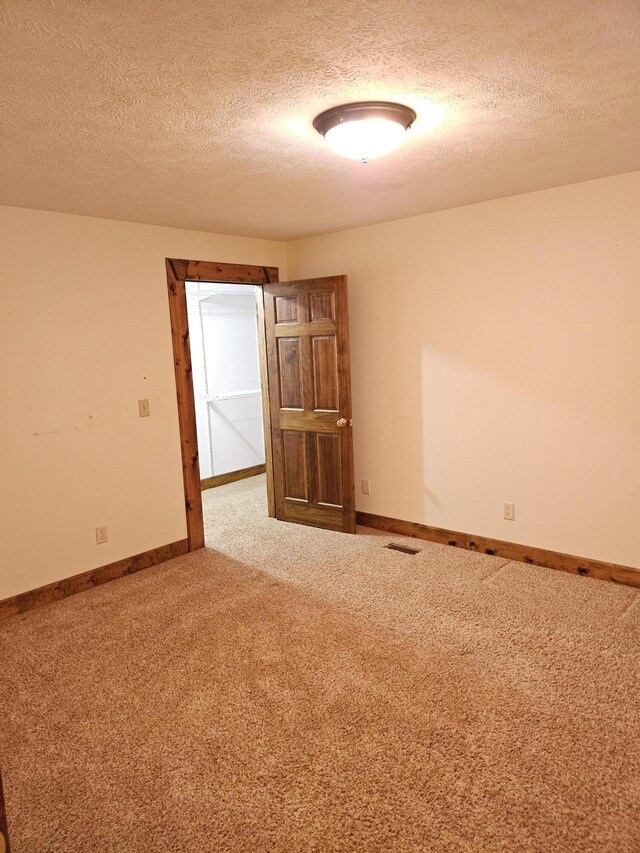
x=308 y=369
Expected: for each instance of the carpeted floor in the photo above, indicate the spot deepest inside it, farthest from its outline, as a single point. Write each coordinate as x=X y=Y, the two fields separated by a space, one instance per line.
x=290 y=689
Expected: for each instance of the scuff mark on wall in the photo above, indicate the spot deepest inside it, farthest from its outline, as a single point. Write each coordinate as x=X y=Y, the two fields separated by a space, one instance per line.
x=88 y=425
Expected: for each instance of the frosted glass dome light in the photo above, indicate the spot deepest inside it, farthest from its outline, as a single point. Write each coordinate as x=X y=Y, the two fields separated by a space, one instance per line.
x=364 y=130
x=364 y=139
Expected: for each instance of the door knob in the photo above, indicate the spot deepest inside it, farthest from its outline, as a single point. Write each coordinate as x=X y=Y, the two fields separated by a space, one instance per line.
x=341 y=422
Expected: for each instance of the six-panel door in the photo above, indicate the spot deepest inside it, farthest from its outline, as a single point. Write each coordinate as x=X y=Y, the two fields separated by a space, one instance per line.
x=310 y=392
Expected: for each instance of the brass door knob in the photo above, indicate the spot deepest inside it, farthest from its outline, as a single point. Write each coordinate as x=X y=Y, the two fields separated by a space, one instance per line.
x=341 y=422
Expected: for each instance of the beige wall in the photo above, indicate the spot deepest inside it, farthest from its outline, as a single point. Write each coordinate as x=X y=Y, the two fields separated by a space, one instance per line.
x=496 y=357
x=85 y=333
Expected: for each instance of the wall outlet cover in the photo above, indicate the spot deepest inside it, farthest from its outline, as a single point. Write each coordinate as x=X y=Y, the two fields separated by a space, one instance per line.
x=102 y=534
x=509 y=513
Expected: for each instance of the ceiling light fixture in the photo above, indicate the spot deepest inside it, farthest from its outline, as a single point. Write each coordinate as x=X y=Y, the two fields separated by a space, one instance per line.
x=365 y=129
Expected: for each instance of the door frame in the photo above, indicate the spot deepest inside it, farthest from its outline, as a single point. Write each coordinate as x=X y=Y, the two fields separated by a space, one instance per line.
x=179 y=271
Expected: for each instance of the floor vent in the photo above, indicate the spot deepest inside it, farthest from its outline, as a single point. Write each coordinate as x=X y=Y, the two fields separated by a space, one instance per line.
x=403 y=548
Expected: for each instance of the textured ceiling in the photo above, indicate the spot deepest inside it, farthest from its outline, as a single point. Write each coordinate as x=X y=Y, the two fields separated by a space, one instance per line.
x=198 y=114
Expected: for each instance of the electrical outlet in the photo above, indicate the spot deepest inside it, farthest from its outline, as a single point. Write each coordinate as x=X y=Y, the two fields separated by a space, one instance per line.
x=509 y=512
x=366 y=487
x=143 y=408
x=102 y=535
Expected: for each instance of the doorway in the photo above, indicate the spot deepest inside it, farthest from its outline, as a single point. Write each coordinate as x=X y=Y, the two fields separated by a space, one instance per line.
x=303 y=346
x=179 y=271
x=223 y=334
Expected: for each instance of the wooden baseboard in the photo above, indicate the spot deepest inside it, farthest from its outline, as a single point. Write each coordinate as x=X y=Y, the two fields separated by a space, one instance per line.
x=87 y=580
x=231 y=477
x=508 y=550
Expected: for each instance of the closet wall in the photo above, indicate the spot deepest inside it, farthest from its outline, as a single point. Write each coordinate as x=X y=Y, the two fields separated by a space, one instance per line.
x=226 y=376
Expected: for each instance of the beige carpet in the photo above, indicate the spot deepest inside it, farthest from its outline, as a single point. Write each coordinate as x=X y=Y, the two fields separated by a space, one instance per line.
x=290 y=689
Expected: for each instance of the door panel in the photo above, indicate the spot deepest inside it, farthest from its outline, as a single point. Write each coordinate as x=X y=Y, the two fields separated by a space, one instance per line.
x=286 y=309
x=308 y=368
x=325 y=373
x=290 y=373
x=329 y=469
x=294 y=458
x=322 y=306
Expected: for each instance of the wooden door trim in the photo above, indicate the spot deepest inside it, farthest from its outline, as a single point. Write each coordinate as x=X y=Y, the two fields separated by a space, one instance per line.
x=179 y=271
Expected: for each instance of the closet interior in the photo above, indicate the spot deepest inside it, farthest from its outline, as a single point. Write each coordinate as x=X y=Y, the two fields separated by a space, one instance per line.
x=223 y=330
